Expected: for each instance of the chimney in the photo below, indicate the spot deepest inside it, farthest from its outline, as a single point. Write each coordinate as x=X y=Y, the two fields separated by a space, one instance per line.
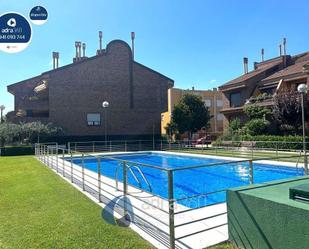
x=280 y=50
x=55 y=60
x=76 y=50
x=245 y=65
x=100 y=39
x=262 y=54
x=132 y=40
x=100 y=50
x=84 y=50
x=79 y=49
x=284 y=46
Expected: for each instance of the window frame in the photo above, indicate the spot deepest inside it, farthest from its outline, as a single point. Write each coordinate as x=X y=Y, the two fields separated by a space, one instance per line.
x=234 y=93
x=206 y=100
x=93 y=123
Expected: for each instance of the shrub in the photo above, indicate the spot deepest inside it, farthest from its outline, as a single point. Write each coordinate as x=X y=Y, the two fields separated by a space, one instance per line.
x=268 y=141
x=256 y=126
x=235 y=125
x=17 y=151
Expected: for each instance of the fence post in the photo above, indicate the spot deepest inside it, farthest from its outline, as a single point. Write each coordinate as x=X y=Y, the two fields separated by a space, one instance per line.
x=71 y=167
x=57 y=159
x=251 y=149
x=69 y=147
x=125 y=189
x=305 y=163
x=277 y=150
x=110 y=146
x=99 y=178
x=83 y=171
x=161 y=145
x=251 y=179
x=48 y=157
x=125 y=145
x=63 y=173
x=171 y=203
x=139 y=145
x=93 y=146
x=43 y=154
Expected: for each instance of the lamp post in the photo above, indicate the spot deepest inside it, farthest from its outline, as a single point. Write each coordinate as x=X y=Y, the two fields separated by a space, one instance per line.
x=302 y=89
x=105 y=105
x=2 y=107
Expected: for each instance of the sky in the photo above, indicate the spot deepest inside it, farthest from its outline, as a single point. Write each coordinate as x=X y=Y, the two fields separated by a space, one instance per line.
x=198 y=43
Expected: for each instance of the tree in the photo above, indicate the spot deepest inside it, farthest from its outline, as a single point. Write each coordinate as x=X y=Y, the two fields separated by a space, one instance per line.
x=190 y=114
x=171 y=130
x=26 y=132
x=235 y=125
x=287 y=111
x=9 y=133
x=33 y=130
x=257 y=124
x=255 y=111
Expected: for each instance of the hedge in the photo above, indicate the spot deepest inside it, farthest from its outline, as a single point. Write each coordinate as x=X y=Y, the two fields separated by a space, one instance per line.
x=264 y=141
x=17 y=151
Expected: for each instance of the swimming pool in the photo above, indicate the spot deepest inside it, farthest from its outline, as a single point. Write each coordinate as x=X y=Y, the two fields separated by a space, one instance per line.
x=213 y=180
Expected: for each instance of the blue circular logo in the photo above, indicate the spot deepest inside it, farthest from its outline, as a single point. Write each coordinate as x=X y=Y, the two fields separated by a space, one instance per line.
x=38 y=15
x=15 y=32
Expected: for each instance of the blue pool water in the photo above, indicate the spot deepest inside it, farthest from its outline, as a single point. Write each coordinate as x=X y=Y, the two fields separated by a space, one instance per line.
x=212 y=180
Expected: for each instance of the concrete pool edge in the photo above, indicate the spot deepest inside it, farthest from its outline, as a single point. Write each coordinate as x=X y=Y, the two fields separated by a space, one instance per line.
x=272 y=162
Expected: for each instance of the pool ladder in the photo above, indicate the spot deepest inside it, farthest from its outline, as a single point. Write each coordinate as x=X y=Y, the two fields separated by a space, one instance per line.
x=129 y=167
x=300 y=153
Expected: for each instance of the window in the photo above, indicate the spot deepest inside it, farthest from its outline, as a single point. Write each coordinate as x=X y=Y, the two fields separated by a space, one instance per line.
x=207 y=102
x=220 y=116
x=235 y=99
x=219 y=103
x=162 y=117
x=94 y=119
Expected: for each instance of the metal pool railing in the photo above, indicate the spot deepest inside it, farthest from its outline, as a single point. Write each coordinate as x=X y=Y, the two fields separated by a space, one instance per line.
x=166 y=221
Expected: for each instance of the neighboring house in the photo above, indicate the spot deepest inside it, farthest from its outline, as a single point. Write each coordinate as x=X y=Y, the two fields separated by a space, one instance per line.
x=267 y=78
x=212 y=100
x=71 y=96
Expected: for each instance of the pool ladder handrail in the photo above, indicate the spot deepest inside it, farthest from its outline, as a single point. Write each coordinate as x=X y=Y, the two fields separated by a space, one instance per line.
x=129 y=167
x=300 y=152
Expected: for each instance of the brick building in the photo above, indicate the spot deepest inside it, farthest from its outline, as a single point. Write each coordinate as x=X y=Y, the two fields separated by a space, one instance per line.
x=263 y=82
x=212 y=100
x=71 y=96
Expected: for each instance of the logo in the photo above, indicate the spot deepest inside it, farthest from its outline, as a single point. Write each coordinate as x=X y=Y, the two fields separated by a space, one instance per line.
x=117 y=205
x=11 y=22
x=38 y=15
x=15 y=32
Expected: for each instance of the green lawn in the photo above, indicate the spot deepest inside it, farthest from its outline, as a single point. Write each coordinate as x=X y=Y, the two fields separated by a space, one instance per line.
x=38 y=209
x=223 y=246
x=280 y=156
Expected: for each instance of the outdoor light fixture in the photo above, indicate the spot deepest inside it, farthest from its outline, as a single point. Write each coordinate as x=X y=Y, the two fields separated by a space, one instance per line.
x=105 y=104
x=302 y=89
x=2 y=107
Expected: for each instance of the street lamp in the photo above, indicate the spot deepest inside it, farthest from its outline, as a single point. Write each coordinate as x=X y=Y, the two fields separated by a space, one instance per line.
x=105 y=105
x=2 y=107
x=302 y=89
